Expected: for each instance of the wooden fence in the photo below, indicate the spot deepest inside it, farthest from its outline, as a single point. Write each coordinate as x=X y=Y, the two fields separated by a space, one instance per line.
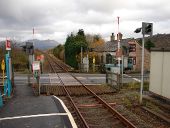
x=113 y=79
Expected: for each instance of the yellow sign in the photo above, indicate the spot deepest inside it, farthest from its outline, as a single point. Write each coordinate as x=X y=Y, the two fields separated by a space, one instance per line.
x=94 y=60
x=3 y=65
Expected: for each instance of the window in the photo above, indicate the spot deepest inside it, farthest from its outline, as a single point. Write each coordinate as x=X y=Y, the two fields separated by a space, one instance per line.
x=132 y=47
x=134 y=60
x=130 y=61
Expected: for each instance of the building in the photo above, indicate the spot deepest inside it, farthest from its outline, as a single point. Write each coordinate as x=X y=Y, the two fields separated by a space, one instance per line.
x=159 y=72
x=135 y=52
x=129 y=48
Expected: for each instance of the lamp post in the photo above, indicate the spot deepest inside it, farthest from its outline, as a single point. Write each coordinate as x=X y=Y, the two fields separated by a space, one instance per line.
x=118 y=46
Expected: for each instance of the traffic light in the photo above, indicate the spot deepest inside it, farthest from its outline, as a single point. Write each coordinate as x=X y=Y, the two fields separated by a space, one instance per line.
x=29 y=48
x=24 y=48
x=138 y=30
x=147 y=28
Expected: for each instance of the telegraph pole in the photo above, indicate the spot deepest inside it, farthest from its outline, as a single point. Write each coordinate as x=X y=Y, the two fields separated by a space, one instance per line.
x=33 y=58
x=118 y=39
x=81 y=63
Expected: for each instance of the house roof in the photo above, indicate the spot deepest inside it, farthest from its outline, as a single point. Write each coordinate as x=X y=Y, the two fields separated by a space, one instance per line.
x=111 y=46
x=160 y=40
x=161 y=49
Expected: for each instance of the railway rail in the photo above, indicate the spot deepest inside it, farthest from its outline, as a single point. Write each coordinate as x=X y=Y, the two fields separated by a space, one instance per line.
x=114 y=117
x=158 y=107
x=75 y=90
x=60 y=67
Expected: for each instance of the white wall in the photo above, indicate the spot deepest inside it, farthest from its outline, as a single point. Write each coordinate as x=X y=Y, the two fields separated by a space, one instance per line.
x=166 y=75
x=160 y=73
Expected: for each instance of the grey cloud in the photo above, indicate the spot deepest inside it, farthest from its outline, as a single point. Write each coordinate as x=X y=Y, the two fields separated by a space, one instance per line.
x=104 y=6
x=18 y=17
x=90 y=17
x=31 y=13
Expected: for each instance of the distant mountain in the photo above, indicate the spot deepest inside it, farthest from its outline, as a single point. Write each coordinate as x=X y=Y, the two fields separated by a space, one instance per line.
x=14 y=43
x=44 y=44
x=38 y=44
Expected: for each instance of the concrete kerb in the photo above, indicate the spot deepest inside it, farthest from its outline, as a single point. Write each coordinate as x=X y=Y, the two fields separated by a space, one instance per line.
x=68 y=120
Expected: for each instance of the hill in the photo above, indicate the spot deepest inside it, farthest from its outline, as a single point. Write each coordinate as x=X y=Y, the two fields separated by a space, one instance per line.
x=44 y=44
x=38 y=44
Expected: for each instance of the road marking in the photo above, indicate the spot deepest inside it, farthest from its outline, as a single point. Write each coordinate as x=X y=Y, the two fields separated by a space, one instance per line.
x=31 y=116
x=68 y=112
x=132 y=78
x=137 y=79
x=96 y=78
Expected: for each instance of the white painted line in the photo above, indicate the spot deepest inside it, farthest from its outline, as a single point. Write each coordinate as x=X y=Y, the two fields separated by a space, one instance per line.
x=80 y=77
x=68 y=113
x=32 y=116
x=96 y=78
x=127 y=75
x=137 y=79
x=132 y=78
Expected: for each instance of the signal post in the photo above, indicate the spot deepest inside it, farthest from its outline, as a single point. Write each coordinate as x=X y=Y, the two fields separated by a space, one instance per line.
x=147 y=29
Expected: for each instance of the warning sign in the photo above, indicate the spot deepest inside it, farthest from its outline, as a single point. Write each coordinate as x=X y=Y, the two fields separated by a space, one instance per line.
x=3 y=65
x=8 y=45
x=36 y=65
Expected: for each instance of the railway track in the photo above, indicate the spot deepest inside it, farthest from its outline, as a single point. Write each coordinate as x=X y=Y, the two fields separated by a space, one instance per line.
x=59 y=68
x=158 y=107
x=75 y=90
x=105 y=115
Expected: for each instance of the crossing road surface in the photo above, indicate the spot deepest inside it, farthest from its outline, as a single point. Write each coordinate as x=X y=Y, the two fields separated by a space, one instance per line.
x=84 y=78
x=134 y=78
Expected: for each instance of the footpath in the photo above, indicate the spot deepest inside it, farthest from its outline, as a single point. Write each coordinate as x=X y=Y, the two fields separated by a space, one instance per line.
x=25 y=110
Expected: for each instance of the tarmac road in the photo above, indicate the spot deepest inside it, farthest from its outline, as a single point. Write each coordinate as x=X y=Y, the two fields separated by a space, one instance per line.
x=25 y=110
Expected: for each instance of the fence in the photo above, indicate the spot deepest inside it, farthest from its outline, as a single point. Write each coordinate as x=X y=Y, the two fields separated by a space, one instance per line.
x=89 y=67
x=113 y=79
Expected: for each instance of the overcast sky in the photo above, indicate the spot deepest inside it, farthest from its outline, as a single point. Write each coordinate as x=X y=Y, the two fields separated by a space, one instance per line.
x=55 y=19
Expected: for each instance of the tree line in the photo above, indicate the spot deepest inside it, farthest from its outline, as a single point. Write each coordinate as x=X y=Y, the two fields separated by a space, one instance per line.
x=70 y=51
